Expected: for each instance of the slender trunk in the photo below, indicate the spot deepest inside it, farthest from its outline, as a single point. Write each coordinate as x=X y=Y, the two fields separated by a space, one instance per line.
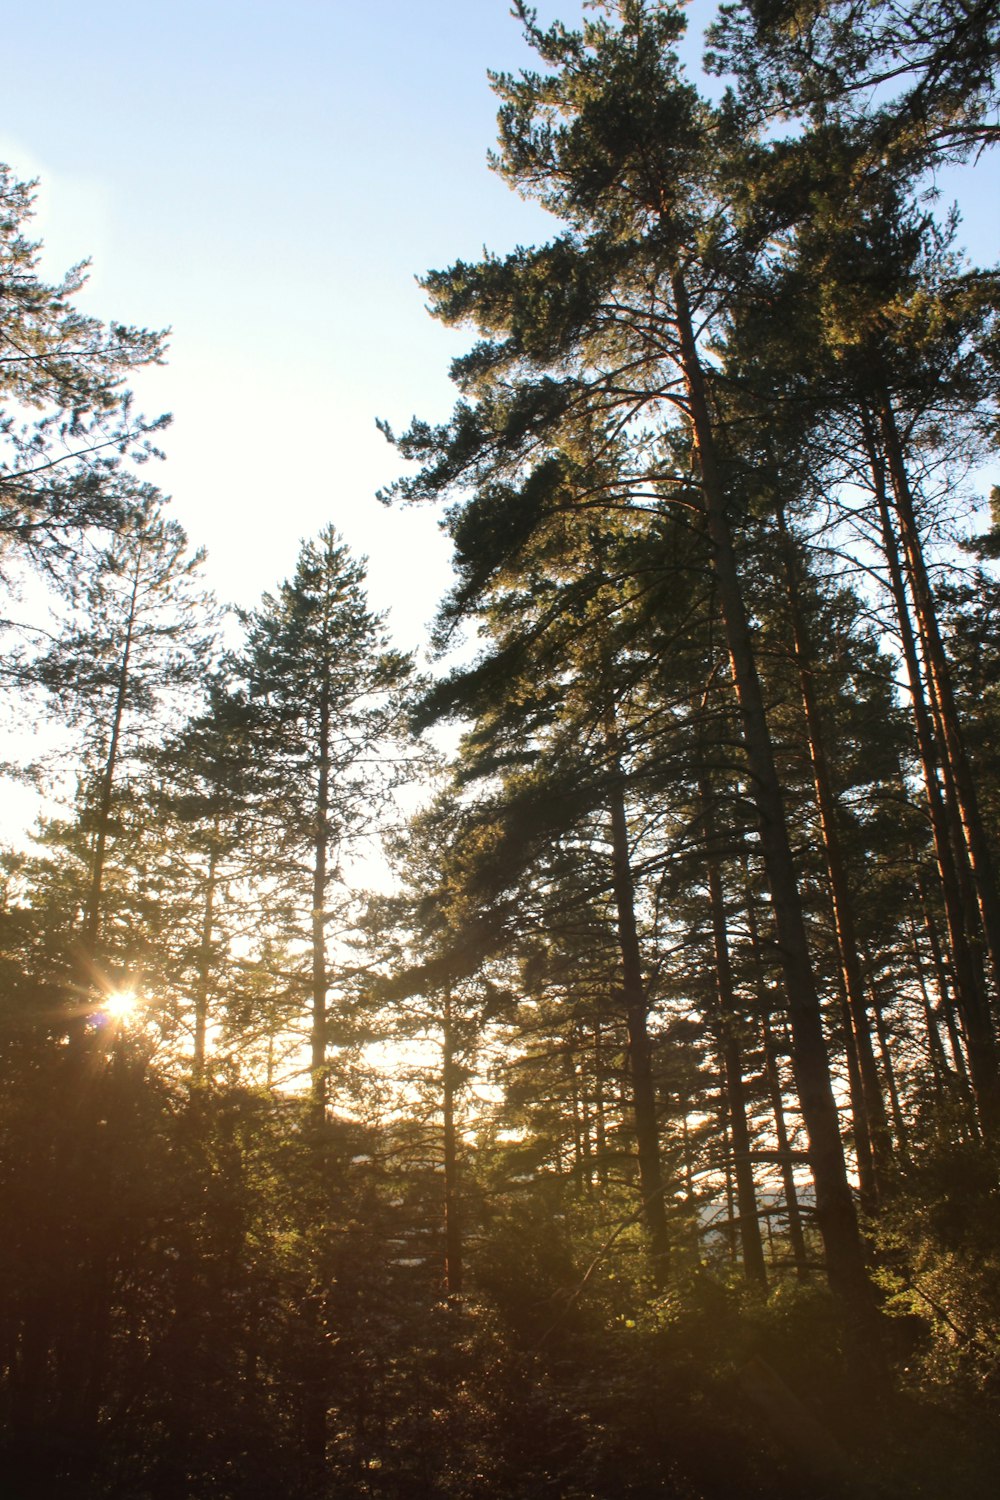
x=688 y=1160
x=867 y=1188
x=751 y=1247
x=946 y=1003
x=939 y=675
x=452 y=1216
x=727 y=1162
x=569 y=1059
x=634 y=994
x=315 y=1412
x=92 y=910
x=581 y=1096
x=960 y=853
x=935 y=1046
x=600 y=1116
x=874 y=1147
x=796 y=1235
x=644 y=1106
x=732 y=1064
x=204 y=978
x=898 y=1117
x=835 y=1213
x=968 y=986
x=321 y=841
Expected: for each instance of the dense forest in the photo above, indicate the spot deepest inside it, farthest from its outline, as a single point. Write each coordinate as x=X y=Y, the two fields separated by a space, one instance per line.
x=571 y=1071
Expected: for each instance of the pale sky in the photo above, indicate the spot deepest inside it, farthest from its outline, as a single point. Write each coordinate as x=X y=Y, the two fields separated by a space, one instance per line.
x=267 y=180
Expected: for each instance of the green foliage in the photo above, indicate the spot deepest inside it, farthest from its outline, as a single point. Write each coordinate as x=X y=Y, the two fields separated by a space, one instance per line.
x=66 y=419
x=940 y=1265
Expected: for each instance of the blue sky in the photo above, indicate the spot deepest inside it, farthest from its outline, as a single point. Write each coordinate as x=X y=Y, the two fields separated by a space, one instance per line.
x=267 y=180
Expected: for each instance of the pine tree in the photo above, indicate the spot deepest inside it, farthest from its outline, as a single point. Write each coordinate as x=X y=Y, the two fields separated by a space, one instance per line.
x=66 y=418
x=922 y=77
x=611 y=320
x=132 y=649
x=324 y=737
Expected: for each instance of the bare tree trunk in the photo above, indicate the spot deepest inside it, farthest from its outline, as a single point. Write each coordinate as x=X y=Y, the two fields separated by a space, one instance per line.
x=452 y=1210
x=750 y=1241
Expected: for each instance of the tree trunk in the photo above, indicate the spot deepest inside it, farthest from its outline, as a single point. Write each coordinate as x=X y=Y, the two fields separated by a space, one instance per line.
x=92 y=911
x=750 y=1241
x=968 y=982
x=959 y=1049
x=727 y=1163
x=898 y=1118
x=204 y=978
x=935 y=1046
x=452 y=1215
x=600 y=1113
x=868 y=1190
x=318 y=1029
x=796 y=1235
x=835 y=1213
x=874 y=1146
x=939 y=676
x=634 y=995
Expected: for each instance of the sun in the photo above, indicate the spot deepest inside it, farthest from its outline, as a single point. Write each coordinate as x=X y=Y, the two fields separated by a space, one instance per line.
x=121 y=1005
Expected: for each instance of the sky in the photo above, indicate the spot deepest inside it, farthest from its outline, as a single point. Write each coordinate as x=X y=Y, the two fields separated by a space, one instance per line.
x=268 y=180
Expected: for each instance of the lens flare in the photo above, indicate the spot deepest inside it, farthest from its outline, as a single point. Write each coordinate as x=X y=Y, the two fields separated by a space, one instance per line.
x=121 y=1005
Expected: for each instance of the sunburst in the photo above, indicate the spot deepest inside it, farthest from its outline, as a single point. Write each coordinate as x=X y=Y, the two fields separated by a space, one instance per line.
x=120 y=1005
